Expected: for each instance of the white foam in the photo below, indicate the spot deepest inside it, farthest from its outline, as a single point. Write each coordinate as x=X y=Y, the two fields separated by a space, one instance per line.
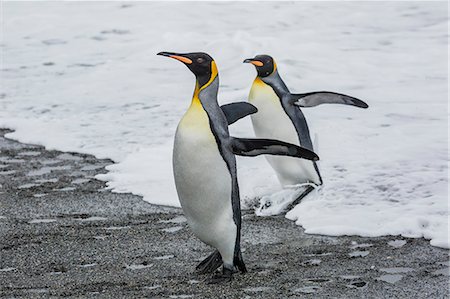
x=7 y=269
x=69 y=157
x=138 y=267
x=8 y=172
x=164 y=257
x=396 y=270
x=390 y=278
x=178 y=219
x=397 y=243
x=29 y=153
x=79 y=181
x=359 y=253
x=92 y=218
x=27 y=186
x=53 y=180
x=41 y=221
x=172 y=229
x=88 y=265
x=39 y=195
x=65 y=189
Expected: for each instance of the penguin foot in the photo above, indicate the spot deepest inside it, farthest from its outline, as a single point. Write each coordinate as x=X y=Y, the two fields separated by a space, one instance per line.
x=308 y=190
x=210 y=264
x=226 y=276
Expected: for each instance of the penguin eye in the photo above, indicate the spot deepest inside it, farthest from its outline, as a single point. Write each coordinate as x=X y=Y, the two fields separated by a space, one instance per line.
x=200 y=60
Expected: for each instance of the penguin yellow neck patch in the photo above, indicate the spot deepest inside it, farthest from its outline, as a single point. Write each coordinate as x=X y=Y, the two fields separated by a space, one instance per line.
x=261 y=93
x=258 y=81
x=195 y=104
x=195 y=119
x=195 y=99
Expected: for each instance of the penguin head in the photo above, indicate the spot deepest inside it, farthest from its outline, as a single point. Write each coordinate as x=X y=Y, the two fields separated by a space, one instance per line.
x=265 y=65
x=201 y=64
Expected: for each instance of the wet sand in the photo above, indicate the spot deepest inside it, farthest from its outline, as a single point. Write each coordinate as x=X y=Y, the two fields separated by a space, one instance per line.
x=63 y=234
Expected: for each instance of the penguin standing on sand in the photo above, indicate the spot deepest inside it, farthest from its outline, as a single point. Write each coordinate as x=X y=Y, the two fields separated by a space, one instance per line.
x=204 y=166
x=280 y=117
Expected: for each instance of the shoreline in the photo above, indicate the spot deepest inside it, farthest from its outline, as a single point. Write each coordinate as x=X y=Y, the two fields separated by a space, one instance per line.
x=63 y=234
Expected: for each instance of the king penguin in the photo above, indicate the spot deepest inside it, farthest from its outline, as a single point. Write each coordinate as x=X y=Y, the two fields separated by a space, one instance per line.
x=204 y=166
x=280 y=117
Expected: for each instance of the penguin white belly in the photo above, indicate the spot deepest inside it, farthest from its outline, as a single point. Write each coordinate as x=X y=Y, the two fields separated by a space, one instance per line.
x=271 y=121
x=203 y=183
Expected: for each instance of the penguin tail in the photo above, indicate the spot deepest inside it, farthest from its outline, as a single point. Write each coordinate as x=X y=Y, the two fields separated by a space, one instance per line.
x=239 y=262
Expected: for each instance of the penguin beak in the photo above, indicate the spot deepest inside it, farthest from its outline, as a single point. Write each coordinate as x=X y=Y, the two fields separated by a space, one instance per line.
x=254 y=62
x=179 y=57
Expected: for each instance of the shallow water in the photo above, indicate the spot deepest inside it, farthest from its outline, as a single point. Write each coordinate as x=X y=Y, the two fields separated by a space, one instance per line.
x=390 y=278
x=359 y=253
x=41 y=221
x=173 y=229
x=397 y=243
x=138 y=266
x=396 y=270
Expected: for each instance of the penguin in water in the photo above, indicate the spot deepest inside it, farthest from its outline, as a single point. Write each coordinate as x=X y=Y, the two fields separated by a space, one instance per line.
x=280 y=117
x=204 y=166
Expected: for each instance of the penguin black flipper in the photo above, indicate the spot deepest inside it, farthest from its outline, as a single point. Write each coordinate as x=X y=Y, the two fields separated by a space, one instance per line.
x=255 y=147
x=235 y=111
x=312 y=99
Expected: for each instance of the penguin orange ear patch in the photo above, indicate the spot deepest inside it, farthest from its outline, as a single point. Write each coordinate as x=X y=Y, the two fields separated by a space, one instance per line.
x=257 y=63
x=181 y=58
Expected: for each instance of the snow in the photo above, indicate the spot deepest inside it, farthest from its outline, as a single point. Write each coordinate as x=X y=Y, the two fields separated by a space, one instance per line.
x=83 y=77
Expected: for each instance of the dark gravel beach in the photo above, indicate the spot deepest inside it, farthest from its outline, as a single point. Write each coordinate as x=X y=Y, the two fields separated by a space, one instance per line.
x=63 y=234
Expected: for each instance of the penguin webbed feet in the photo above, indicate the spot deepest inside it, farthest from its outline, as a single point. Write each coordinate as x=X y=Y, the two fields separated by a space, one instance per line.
x=210 y=264
x=299 y=198
x=225 y=276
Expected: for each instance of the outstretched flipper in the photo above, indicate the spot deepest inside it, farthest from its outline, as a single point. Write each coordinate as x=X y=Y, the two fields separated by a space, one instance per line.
x=210 y=264
x=316 y=98
x=255 y=147
x=235 y=111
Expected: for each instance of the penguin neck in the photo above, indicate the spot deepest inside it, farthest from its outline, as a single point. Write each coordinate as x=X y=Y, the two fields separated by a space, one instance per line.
x=210 y=88
x=274 y=80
